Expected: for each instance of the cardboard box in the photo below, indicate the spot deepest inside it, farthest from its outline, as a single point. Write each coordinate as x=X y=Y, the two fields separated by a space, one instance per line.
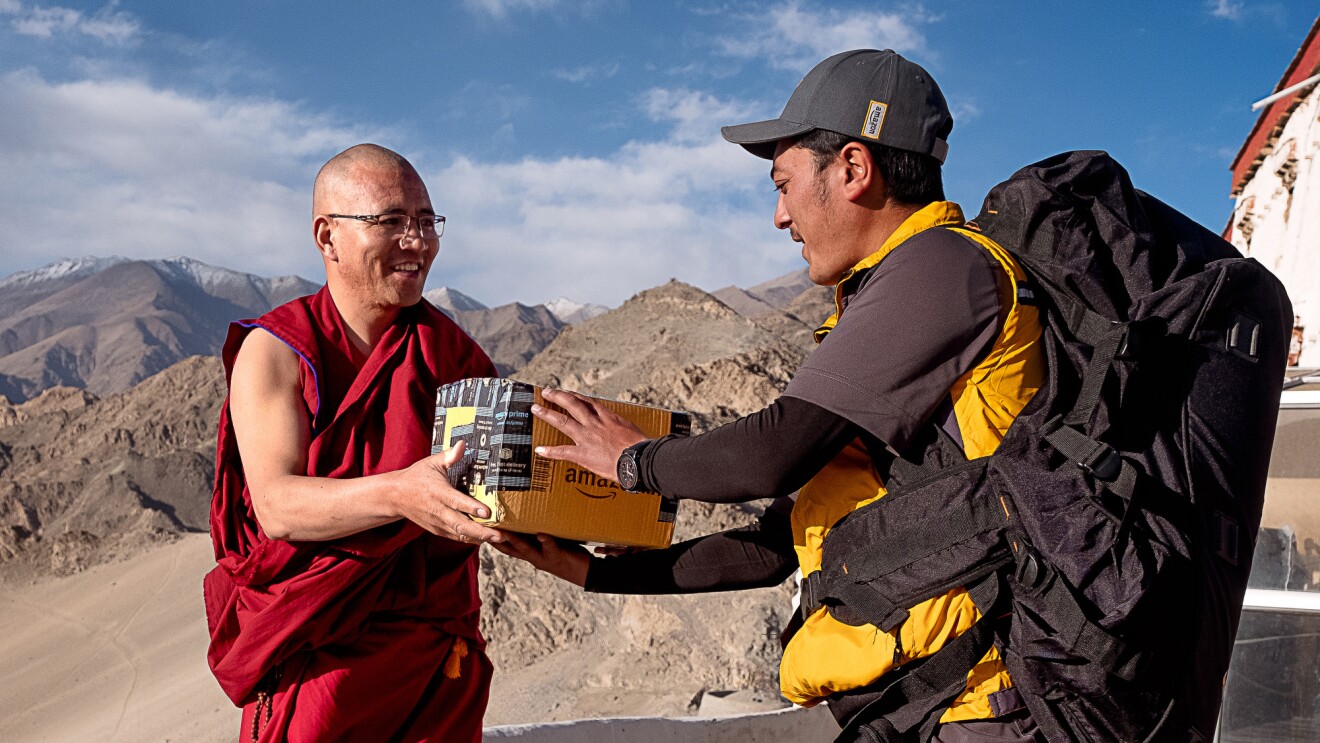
x=528 y=493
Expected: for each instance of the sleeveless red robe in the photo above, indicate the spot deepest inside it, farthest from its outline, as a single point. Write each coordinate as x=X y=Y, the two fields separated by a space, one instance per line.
x=370 y=637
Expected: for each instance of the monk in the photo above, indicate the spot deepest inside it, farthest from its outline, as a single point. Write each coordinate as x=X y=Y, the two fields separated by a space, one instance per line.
x=344 y=603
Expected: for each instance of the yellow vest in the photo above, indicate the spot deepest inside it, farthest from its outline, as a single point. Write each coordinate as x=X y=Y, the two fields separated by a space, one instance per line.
x=828 y=656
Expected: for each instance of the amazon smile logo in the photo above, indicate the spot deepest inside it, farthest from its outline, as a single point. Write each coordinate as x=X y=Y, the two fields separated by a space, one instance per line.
x=581 y=478
x=598 y=496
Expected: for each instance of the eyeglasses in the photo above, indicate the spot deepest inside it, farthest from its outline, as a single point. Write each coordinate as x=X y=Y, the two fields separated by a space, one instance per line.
x=429 y=226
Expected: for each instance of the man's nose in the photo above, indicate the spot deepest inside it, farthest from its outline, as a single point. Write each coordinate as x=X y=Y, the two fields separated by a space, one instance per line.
x=412 y=235
x=782 y=220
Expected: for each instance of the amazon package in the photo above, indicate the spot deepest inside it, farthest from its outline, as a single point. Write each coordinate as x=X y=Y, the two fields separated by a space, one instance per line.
x=528 y=493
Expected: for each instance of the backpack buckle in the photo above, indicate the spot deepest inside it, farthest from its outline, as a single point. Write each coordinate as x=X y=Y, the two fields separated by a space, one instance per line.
x=1128 y=344
x=1103 y=462
x=1140 y=335
x=1029 y=573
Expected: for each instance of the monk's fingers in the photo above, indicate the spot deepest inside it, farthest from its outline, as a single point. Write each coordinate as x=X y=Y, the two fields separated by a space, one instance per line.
x=451 y=456
x=448 y=513
x=486 y=534
x=437 y=465
x=449 y=498
x=469 y=532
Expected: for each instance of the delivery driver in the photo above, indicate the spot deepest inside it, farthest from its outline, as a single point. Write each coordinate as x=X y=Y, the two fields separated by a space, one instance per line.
x=344 y=603
x=927 y=334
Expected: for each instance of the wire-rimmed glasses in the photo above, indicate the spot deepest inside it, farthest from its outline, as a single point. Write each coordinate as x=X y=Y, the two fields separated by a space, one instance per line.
x=429 y=226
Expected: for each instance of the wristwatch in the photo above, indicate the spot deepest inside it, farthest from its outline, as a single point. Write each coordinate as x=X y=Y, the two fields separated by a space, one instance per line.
x=628 y=470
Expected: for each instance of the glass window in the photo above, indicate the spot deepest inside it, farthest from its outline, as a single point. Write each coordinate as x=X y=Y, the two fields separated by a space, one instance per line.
x=1288 y=546
x=1272 y=692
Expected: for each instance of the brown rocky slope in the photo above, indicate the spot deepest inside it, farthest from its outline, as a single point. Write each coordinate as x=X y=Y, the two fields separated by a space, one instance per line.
x=85 y=480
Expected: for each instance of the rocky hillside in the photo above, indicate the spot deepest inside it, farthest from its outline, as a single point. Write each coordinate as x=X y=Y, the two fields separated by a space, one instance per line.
x=674 y=346
x=510 y=334
x=105 y=324
x=563 y=654
x=85 y=479
x=88 y=478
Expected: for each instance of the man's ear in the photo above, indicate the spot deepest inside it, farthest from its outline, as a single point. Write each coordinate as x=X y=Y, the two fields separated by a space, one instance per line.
x=859 y=172
x=323 y=234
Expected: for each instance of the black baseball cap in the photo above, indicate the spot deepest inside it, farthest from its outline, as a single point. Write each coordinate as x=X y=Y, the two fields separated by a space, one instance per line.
x=867 y=94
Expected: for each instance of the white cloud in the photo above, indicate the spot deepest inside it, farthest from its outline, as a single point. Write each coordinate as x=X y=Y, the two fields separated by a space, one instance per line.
x=501 y=8
x=964 y=111
x=1226 y=9
x=505 y=101
x=797 y=36
x=600 y=229
x=120 y=167
x=587 y=73
x=696 y=116
x=107 y=25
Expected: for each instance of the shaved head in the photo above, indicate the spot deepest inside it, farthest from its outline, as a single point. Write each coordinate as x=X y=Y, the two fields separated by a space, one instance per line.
x=348 y=167
x=363 y=202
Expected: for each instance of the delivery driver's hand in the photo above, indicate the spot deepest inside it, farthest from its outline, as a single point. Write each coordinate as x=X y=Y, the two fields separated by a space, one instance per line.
x=599 y=434
x=556 y=557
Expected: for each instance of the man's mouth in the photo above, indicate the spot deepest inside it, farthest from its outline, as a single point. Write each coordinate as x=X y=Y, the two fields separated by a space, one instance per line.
x=408 y=267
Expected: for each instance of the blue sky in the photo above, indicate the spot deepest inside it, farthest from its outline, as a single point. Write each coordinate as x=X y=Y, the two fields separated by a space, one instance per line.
x=574 y=146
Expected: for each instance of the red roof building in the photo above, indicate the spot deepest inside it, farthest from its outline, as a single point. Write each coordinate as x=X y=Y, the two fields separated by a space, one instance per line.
x=1276 y=217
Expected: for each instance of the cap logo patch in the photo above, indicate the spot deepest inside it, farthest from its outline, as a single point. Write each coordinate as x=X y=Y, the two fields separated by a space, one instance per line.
x=875 y=119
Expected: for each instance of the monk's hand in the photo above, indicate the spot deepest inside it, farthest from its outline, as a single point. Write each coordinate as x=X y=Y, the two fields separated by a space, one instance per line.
x=427 y=499
x=599 y=434
x=559 y=558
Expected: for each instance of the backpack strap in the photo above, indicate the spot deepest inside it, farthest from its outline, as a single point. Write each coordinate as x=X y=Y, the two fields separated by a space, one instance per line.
x=813 y=586
x=1035 y=578
x=914 y=702
x=1108 y=339
x=951 y=515
x=1096 y=458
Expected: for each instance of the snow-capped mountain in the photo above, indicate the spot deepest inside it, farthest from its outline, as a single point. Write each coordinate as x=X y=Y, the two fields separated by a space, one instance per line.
x=67 y=268
x=104 y=324
x=452 y=300
x=571 y=312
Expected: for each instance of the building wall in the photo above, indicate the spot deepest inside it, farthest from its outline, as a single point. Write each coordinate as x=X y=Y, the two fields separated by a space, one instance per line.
x=1277 y=218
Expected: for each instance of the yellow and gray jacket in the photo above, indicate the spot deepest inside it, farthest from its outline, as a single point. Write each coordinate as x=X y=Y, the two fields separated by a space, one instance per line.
x=827 y=656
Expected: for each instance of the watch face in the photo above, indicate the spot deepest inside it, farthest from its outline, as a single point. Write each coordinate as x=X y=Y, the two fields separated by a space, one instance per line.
x=627 y=471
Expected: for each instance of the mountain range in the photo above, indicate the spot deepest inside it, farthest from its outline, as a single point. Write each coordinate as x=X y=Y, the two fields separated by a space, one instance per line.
x=92 y=477
x=103 y=447
x=105 y=324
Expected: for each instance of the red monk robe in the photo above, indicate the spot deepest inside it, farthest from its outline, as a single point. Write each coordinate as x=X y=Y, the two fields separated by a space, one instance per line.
x=373 y=636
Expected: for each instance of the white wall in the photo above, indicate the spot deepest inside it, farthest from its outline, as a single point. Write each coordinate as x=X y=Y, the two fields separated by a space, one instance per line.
x=814 y=725
x=1286 y=239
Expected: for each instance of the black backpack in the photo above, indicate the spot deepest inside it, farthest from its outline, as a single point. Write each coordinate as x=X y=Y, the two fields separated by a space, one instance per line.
x=1108 y=540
